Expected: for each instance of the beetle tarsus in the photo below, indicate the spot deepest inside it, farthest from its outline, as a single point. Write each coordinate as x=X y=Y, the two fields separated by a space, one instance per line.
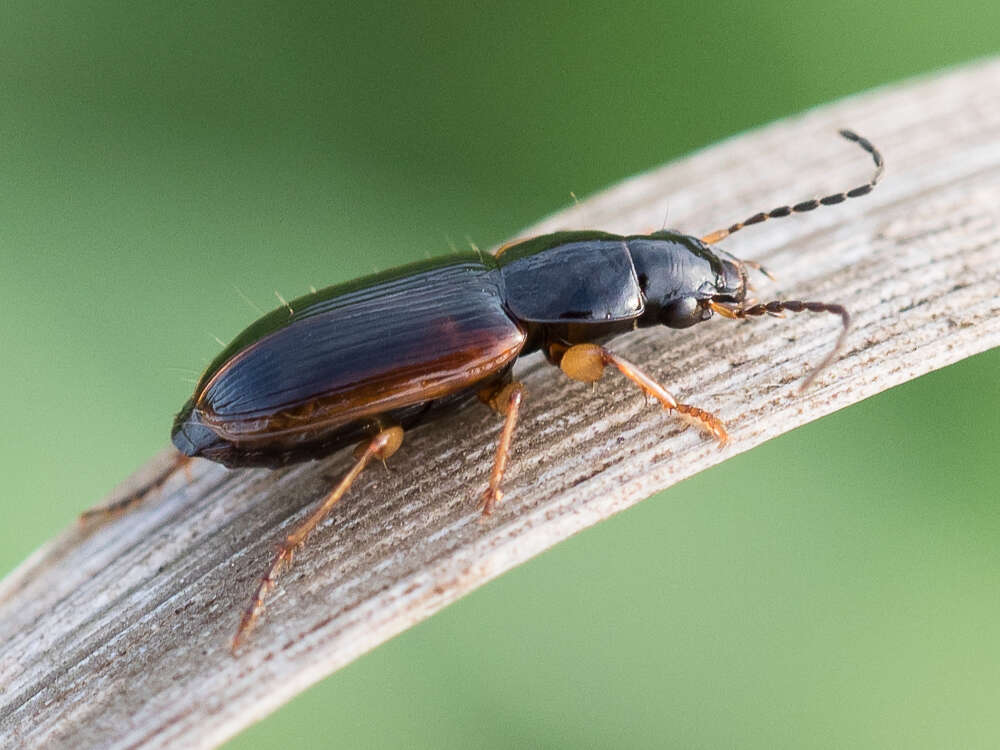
x=706 y=421
x=490 y=498
x=103 y=513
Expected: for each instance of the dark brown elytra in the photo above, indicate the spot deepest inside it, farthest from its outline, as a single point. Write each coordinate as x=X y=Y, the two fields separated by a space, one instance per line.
x=362 y=362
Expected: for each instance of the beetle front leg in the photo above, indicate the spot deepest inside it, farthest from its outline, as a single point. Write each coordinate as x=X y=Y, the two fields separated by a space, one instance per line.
x=383 y=445
x=506 y=401
x=586 y=362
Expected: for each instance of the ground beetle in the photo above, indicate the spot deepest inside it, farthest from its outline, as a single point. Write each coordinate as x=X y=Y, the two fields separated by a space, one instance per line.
x=361 y=362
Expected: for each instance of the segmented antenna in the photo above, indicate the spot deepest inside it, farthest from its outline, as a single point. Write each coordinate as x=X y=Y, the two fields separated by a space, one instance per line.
x=798 y=208
x=777 y=307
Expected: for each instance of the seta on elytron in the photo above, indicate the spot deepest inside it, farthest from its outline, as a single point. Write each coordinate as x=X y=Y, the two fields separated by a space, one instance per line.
x=359 y=363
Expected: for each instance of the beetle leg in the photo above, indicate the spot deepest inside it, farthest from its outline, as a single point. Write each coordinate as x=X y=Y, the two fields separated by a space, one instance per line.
x=506 y=402
x=586 y=362
x=102 y=513
x=383 y=445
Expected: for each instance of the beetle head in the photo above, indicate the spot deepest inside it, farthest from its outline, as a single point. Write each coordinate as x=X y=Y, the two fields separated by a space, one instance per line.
x=682 y=278
x=685 y=282
x=728 y=290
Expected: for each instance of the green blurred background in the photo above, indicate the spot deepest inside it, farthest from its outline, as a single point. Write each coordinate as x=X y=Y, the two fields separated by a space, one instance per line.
x=836 y=587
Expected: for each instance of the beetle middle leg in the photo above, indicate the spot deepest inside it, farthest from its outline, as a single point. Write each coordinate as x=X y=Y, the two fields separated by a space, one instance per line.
x=381 y=446
x=505 y=400
x=586 y=362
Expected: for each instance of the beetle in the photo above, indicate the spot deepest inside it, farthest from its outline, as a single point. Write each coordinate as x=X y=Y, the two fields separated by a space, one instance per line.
x=361 y=362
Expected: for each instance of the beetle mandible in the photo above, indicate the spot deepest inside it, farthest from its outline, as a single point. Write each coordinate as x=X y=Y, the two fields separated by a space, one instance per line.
x=359 y=363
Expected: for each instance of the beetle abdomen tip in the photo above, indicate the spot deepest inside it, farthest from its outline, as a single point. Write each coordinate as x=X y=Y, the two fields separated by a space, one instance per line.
x=189 y=435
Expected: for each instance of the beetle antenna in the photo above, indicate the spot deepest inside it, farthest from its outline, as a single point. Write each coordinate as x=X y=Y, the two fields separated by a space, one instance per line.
x=809 y=205
x=777 y=307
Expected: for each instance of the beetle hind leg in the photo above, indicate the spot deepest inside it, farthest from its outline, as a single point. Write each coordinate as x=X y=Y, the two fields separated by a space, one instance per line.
x=586 y=362
x=100 y=514
x=506 y=401
x=381 y=446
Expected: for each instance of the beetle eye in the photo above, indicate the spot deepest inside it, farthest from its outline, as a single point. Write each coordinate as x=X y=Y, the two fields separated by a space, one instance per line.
x=682 y=313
